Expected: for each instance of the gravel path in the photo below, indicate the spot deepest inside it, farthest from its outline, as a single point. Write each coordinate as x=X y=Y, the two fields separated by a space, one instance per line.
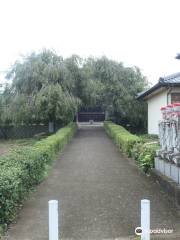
x=99 y=192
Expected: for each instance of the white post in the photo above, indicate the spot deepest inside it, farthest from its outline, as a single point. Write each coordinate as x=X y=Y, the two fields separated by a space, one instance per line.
x=145 y=219
x=53 y=220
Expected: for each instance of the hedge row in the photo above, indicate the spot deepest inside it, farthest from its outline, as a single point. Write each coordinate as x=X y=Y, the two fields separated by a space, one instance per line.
x=132 y=145
x=23 y=168
x=124 y=139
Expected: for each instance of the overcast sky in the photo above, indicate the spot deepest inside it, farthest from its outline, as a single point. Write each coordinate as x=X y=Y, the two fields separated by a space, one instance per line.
x=144 y=33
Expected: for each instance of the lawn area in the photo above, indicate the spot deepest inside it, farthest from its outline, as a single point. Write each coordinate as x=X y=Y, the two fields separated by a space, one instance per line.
x=7 y=145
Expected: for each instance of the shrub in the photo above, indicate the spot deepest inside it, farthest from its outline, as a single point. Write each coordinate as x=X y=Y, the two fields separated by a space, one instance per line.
x=133 y=145
x=144 y=153
x=23 y=168
x=124 y=139
x=149 y=137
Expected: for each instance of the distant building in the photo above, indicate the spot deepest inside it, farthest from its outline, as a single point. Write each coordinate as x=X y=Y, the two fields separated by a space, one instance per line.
x=166 y=91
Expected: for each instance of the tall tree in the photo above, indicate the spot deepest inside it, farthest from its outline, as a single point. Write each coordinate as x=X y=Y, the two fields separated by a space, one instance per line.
x=40 y=90
x=46 y=87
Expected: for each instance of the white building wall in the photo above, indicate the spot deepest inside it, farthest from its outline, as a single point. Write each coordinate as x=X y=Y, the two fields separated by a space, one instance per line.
x=154 y=113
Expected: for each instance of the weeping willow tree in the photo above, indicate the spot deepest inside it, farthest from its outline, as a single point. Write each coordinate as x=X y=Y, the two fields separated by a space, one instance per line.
x=115 y=87
x=39 y=91
x=47 y=88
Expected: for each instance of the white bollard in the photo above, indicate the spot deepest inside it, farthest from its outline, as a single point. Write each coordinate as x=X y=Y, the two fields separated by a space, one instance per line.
x=145 y=219
x=53 y=220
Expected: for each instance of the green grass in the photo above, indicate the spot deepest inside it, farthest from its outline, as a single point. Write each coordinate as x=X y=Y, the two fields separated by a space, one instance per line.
x=20 y=142
x=10 y=144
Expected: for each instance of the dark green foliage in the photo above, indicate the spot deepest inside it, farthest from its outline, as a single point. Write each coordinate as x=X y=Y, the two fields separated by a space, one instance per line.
x=53 y=89
x=149 y=137
x=114 y=87
x=41 y=91
x=23 y=168
x=124 y=139
x=144 y=154
x=136 y=147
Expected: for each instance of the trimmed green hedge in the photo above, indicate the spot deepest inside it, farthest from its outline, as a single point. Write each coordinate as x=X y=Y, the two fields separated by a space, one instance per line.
x=22 y=169
x=123 y=139
x=133 y=145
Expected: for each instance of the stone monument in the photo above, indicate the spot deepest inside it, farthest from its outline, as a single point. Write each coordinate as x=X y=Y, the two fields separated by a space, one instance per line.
x=167 y=160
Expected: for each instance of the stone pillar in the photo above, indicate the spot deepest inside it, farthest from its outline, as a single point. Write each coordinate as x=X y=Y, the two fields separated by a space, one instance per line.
x=51 y=127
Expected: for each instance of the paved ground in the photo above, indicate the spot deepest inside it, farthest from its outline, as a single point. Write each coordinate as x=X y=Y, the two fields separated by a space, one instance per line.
x=99 y=192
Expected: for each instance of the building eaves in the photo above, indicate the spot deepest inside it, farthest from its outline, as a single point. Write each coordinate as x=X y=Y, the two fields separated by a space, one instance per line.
x=168 y=81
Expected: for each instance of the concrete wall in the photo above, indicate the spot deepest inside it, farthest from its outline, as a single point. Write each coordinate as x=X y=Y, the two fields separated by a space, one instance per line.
x=154 y=113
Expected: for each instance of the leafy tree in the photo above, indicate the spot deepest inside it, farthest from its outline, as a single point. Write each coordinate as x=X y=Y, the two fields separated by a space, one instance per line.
x=117 y=87
x=74 y=77
x=39 y=90
x=47 y=88
x=55 y=105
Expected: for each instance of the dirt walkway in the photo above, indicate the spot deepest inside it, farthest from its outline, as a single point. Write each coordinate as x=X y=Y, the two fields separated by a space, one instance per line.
x=99 y=192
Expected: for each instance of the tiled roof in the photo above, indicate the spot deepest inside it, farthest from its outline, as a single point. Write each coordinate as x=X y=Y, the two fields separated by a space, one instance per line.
x=173 y=78
x=170 y=80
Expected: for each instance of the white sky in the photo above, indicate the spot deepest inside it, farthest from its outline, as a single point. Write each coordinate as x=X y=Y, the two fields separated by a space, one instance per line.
x=144 y=33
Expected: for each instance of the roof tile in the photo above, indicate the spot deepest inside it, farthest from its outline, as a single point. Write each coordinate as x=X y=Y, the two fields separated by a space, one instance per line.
x=173 y=79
